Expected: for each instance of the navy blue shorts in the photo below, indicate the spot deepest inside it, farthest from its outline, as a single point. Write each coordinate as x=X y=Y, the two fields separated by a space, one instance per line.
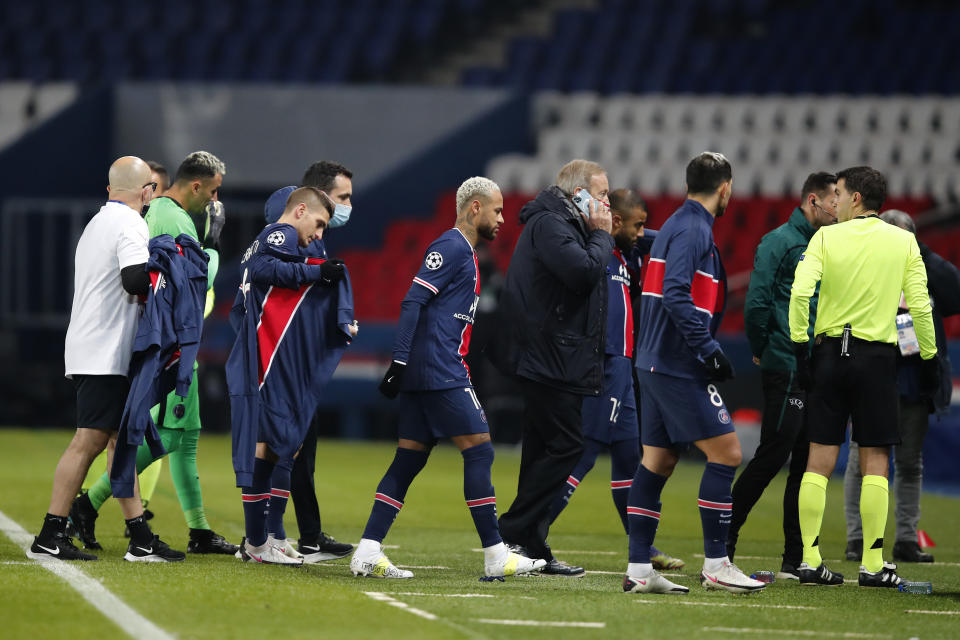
x=677 y=411
x=612 y=416
x=426 y=416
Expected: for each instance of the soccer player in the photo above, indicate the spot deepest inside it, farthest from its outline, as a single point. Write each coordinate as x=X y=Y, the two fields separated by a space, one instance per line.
x=610 y=419
x=783 y=432
x=110 y=272
x=678 y=362
x=437 y=399
x=290 y=336
x=863 y=266
x=182 y=209
x=295 y=478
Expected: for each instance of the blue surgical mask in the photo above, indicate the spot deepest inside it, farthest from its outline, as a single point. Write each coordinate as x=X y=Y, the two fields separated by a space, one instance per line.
x=341 y=214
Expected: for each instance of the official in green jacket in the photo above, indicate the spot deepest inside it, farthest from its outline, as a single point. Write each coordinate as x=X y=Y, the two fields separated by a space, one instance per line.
x=783 y=430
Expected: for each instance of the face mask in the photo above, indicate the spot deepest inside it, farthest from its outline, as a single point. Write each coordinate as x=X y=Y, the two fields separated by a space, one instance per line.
x=341 y=214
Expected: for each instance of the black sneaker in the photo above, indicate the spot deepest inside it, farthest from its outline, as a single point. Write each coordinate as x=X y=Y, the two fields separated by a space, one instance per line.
x=854 y=550
x=886 y=577
x=556 y=567
x=60 y=547
x=206 y=541
x=83 y=521
x=518 y=549
x=156 y=551
x=821 y=575
x=910 y=551
x=788 y=572
x=326 y=548
x=147 y=515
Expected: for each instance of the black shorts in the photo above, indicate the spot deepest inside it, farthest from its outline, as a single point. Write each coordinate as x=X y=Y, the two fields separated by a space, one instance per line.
x=862 y=387
x=100 y=401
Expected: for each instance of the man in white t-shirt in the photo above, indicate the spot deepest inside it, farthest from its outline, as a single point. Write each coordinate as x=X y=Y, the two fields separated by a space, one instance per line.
x=109 y=275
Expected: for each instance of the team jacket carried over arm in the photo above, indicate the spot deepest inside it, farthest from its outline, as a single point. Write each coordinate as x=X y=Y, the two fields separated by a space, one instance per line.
x=291 y=334
x=684 y=295
x=164 y=350
x=436 y=316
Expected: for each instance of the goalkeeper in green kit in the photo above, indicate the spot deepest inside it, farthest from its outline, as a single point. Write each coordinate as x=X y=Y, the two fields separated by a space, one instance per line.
x=190 y=204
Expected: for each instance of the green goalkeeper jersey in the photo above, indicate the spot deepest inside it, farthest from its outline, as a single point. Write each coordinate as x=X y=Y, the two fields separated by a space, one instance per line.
x=165 y=215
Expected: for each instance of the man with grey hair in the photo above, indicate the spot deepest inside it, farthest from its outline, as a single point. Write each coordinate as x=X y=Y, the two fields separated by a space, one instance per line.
x=553 y=311
x=437 y=399
x=188 y=206
x=943 y=285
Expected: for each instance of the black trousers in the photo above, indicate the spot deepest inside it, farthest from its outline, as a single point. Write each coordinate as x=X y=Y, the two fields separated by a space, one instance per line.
x=552 y=446
x=302 y=488
x=783 y=432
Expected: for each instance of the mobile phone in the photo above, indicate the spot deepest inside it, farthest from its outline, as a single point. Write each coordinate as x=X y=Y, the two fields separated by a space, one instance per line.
x=582 y=200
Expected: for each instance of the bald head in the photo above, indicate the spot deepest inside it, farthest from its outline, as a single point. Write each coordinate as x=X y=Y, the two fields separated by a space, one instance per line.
x=129 y=173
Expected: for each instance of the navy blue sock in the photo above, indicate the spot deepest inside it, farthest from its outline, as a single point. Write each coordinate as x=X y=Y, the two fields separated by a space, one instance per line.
x=591 y=449
x=256 y=501
x=643 y=512
x=716 y=508
x=479 y=494
x=391 y=491
x=624 y=460
x=279 y=495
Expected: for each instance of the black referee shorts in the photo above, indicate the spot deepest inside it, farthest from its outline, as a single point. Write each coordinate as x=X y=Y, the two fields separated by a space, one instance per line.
x=862 y=387
x=100 y=401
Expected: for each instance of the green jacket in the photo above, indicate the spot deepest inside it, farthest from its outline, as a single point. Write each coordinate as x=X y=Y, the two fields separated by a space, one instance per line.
x=765 y=311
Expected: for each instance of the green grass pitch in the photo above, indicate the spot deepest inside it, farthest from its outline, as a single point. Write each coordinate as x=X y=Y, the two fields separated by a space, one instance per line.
x=220 y=597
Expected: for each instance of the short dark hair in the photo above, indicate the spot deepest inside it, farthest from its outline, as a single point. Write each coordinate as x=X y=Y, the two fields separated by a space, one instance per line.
x=707 y=171
x=868 y=182
x=199 y=165
x=624 y=200
x=306 y=195
x=817 y=183
x=161 y=171
x=323 y=173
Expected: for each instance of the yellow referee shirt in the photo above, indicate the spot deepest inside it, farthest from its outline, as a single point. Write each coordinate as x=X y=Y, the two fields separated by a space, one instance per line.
x=862 y=266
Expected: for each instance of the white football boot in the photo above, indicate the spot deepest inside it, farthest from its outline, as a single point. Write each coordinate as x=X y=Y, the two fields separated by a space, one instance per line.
x=286 y=547
x=369 y=560
x=267 y=553
x=511 y=564
x=652 y=583
x=730 y=578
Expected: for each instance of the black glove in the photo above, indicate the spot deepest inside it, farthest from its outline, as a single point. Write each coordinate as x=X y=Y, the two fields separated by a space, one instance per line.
x=215 y=219
x=804 y=372
x=390 y=386
x=929 y=375
x=331 y=272
x=718 y=367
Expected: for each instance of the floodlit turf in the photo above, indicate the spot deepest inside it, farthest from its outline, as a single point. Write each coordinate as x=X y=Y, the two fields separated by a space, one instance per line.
x=220 y=597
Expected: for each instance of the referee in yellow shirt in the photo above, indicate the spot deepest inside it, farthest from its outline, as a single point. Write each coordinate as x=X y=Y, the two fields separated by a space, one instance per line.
x=862 y=265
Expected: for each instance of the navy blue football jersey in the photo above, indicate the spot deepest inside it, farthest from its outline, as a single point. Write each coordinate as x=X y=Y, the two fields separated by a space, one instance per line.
x=620 y=309
x=445 y=292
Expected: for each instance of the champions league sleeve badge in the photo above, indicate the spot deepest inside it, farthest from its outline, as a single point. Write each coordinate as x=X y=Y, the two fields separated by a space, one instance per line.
x=433 y=261
x=276 y=238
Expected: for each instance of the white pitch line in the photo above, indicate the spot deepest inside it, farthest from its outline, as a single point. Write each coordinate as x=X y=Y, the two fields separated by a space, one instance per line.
x=543 y=623
x=607 y=573
x=115 y=609
x=934 y=613
x=459 y=595
x=417 y=566
x=690 y=603
x=797 y=632
x=386 y=599
x=19 y=562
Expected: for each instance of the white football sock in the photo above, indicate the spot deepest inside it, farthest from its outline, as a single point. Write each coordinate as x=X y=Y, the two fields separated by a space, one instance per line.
x=495 y=553
x=714 y=564
x=639 y=569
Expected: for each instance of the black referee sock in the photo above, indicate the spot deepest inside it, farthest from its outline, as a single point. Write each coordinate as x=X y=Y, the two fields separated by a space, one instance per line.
x=52 y=525
x=140 y=534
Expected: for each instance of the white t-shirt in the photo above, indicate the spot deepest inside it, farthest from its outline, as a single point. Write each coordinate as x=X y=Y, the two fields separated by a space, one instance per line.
x=104 y=317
